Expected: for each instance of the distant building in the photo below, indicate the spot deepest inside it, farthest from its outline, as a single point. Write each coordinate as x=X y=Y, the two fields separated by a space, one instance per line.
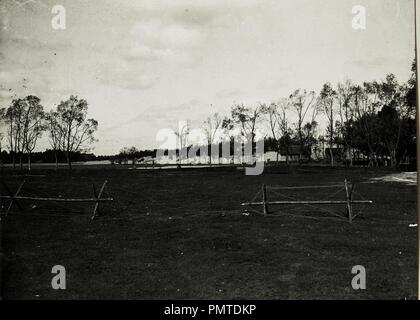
x=295 y=152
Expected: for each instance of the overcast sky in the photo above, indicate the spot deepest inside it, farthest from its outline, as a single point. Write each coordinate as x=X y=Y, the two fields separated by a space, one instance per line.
x=145 y=65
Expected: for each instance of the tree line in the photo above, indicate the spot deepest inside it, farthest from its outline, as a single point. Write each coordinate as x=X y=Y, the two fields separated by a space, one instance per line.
x=24 y=122
x=372 y=122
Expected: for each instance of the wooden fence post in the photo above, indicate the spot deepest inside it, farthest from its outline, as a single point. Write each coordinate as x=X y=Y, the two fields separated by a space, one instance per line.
x=13 y=196
x=264 y=193
x=348 y=200
x=96 y=208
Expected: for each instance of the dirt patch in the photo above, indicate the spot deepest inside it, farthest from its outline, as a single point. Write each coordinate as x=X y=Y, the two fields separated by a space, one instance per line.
x=409 y=178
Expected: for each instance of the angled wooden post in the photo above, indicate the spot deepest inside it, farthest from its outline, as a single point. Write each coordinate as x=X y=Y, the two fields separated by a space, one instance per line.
x=264 y=193
x=348 y=200
x=13 y=197
x=96 y=208
x=10 y=193
x=94 y=190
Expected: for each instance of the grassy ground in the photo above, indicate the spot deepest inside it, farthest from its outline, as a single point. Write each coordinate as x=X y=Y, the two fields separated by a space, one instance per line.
x=182 y=234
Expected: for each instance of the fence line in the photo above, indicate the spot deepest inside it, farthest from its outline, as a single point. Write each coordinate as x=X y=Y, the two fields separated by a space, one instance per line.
x=304 y=187
x=14 y=197
x=349 y=201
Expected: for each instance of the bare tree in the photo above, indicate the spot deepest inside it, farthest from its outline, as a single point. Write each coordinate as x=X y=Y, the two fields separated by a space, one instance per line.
x=182 y=136
x=227 y=128
x=327 y=103
x=2 y=133
x=32 y=126
x=55 y=133
x=393 y=100
x=284 y=105
x=247 y=119
x=75 y=129
x=303 y=103
x=129 y=153
x=14 y=121
x=272 y=112
x=24 y=120
x=278 y=121
x=366 y=104
x=309 y=132
x=211 y=127
x=346 y=112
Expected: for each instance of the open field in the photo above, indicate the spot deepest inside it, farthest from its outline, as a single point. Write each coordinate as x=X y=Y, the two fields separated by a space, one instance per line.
x=181 y=234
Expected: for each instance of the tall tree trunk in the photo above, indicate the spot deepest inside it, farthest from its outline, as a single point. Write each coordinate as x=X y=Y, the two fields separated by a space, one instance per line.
x=302 y=143
x=331 y=156
x=331 y=136
x=210 y=159
x=1 y=160
x=68 y=160
x=394 y=158
x=372 y=160
x=56 y=160
x=349 y=155
x=178 y=165
x=29 y=162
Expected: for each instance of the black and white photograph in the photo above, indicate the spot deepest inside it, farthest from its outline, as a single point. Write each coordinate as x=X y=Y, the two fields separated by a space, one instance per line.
x=212 y=150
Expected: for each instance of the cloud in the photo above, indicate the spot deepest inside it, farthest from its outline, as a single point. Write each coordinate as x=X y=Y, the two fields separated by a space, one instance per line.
x=194 y=11
x=159 y=40
x=229 y=93
x=169 y=112
x=143 y=52
x=165 y=115
x=178 y=31
x=156 y=33
x=373 y=62
x=131 y=80
x=5 y=94
x=126 y=74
